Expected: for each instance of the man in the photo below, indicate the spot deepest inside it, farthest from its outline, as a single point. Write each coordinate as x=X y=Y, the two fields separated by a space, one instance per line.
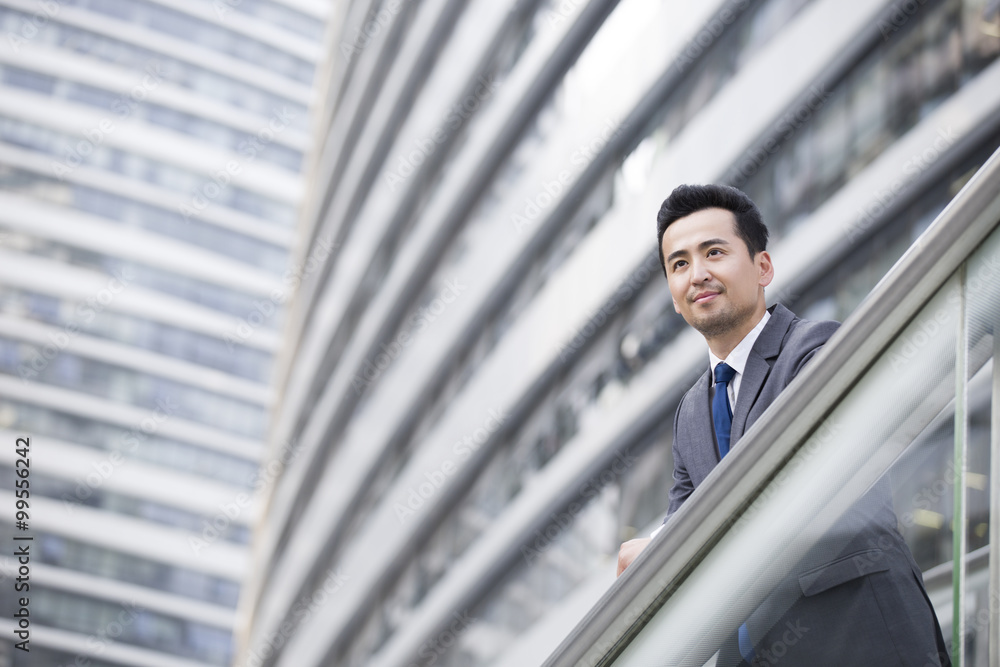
x=858 y=591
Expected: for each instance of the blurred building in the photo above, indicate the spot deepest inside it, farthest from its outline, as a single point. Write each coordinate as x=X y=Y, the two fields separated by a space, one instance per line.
x=151 y=166
x=480 y=382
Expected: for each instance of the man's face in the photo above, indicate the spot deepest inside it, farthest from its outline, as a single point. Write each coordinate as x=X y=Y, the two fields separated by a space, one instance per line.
x=715 y=284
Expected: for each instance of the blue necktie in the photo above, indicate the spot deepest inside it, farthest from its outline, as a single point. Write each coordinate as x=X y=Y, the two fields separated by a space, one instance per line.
x=722 y=420
x=722 y=412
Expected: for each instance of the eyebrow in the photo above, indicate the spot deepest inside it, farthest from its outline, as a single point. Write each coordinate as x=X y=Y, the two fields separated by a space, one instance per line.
x=704 y=245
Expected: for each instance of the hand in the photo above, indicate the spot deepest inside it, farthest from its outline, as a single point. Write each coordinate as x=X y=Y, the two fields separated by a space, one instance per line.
x=628 y=552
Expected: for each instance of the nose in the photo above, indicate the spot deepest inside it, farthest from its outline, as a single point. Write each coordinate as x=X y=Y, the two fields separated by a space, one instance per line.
x=699 y=272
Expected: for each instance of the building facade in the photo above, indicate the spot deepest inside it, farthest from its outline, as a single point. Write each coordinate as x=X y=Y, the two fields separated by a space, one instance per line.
x=480 y=381
x=152 y=160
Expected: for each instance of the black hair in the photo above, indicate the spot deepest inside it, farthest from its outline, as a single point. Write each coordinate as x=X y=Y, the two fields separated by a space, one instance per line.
x=688 y=199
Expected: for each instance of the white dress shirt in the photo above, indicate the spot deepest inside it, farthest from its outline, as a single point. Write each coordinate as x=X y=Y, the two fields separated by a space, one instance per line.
x=737 y=359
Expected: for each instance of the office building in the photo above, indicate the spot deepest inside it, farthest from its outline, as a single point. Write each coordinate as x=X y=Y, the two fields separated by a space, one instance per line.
x=479 y=384
x=152 y=155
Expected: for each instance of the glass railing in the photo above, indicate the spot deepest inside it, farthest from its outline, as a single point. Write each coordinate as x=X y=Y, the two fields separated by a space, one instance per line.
x=889 y=435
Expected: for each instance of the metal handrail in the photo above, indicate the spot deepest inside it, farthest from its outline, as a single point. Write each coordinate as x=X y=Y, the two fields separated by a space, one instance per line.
x=784 y=428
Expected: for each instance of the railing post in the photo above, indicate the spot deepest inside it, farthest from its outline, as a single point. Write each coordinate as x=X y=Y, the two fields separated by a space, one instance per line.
x=961 y=449
x=993 y=600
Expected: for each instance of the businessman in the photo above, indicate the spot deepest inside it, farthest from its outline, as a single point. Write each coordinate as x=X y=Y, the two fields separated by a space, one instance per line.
x=858 y=591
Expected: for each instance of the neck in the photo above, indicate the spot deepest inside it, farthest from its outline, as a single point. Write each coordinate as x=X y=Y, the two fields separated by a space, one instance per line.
x=724 y=343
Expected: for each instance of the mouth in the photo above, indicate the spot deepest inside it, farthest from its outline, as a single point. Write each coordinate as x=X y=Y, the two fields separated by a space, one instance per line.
x=705 y=297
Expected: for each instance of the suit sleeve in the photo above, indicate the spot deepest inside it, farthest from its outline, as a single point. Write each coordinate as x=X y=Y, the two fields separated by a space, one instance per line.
x=814 y=338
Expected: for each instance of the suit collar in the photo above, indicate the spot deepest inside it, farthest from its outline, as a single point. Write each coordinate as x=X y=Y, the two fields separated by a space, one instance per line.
x=768 y=344
x=758 y=365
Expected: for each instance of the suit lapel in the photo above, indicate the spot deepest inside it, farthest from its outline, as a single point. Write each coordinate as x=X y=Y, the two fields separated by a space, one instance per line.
x=758 y=367
x=696 y=432
x=754 y=375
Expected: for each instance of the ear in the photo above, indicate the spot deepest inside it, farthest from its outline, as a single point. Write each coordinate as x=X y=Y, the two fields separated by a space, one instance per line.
x=677 y=308
x=765 y=268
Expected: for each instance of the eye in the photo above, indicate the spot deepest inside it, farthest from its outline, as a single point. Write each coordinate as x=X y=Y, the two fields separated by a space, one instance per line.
x=679 y=264
x=714 y=251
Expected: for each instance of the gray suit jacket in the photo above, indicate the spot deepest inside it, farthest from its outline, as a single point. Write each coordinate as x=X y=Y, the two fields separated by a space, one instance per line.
x=857 y=598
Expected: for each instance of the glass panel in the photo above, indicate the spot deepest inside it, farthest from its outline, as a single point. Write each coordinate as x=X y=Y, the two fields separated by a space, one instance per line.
x=982 y=319
x=833 y=518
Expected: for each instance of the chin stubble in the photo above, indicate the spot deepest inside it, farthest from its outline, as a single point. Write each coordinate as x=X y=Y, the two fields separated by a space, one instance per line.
x=723 y=322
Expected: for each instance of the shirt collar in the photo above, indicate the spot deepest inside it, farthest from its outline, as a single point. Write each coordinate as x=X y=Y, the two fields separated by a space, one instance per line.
x=737 y=359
